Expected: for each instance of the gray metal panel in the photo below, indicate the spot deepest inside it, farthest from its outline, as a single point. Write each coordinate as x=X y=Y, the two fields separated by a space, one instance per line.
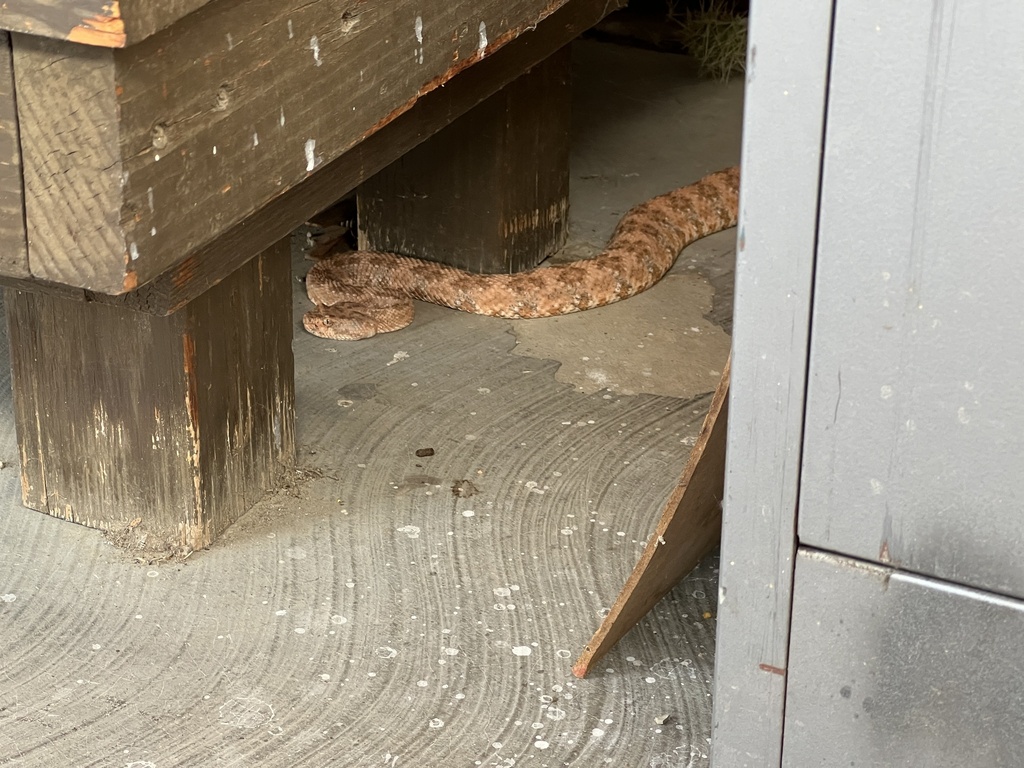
x=902 y=671
x=914 y=448
x=782 y=133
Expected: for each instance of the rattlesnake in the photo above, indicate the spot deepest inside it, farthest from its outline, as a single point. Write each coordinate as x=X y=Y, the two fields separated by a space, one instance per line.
x=364 y=293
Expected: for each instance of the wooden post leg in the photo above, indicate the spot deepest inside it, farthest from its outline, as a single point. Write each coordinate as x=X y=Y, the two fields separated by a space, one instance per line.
x=161 y=430
x=490 y=192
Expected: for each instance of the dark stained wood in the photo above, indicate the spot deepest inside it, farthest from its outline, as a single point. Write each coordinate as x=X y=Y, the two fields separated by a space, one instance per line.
x=142 y=156
x=490 y=192
x=72 y=164
x=13 y=248
x=161 y=430
x=690 y=527
x=105 y=23
x=211 y=263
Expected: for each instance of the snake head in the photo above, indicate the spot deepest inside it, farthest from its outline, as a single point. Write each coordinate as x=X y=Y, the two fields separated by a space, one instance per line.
x=330 y=323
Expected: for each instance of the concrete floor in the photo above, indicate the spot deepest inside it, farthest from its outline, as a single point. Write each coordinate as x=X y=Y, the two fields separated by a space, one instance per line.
x=369 y=615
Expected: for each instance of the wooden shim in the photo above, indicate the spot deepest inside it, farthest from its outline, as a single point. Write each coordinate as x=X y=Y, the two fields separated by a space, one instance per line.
x=213 y=118
x=13 y=246
x=690 y=527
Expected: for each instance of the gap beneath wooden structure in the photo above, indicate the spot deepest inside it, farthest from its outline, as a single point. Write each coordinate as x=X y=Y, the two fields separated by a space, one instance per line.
x=690 y=527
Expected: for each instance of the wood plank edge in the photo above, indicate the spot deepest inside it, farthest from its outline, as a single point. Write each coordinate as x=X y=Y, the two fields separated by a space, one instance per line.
x=210 y=264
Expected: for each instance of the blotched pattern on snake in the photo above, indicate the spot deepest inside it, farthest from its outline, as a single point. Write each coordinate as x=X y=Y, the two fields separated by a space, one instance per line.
x=363 y=293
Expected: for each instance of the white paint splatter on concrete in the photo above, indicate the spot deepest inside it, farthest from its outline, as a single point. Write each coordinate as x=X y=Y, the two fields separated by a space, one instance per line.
x=245 y=712
x=337 y=618
x=522 y=650
x=398 y=357
x=8 y=598
x=133 y=251
x=436 y=723
x=291 y=30
x=314 y=46
x=412 y=531
x=386 y=652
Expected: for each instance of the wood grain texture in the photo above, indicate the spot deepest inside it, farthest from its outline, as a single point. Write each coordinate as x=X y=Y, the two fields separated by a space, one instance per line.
x=689 y=528
x=429 y=114
x=161 y=430
x=104 y=23
x=69 y=122
x=218 y=115
x=490 y=192
x=13 y=246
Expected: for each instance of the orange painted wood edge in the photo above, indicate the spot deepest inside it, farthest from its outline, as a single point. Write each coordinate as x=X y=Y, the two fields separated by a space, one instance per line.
x=106 y=30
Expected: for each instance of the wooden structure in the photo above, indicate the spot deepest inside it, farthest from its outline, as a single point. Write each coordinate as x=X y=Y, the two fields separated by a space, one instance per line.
x=150 y=152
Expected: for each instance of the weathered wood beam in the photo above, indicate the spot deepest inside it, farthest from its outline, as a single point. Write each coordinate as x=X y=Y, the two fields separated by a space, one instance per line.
x=105 y=23
x=490 y=192
x=211 y=263
x=160 y=430
x=135 y=158
x=13 y=245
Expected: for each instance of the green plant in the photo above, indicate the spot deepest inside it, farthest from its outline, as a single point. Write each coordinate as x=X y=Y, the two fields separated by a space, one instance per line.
x=716 y=36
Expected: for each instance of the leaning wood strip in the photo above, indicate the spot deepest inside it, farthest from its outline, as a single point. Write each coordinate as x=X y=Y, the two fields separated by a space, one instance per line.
x=690 y=527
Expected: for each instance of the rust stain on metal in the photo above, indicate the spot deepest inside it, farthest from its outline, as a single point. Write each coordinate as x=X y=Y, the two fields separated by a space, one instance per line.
x=883 y=554
x=105 y=30
x=773 y=670
x=130 y=281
